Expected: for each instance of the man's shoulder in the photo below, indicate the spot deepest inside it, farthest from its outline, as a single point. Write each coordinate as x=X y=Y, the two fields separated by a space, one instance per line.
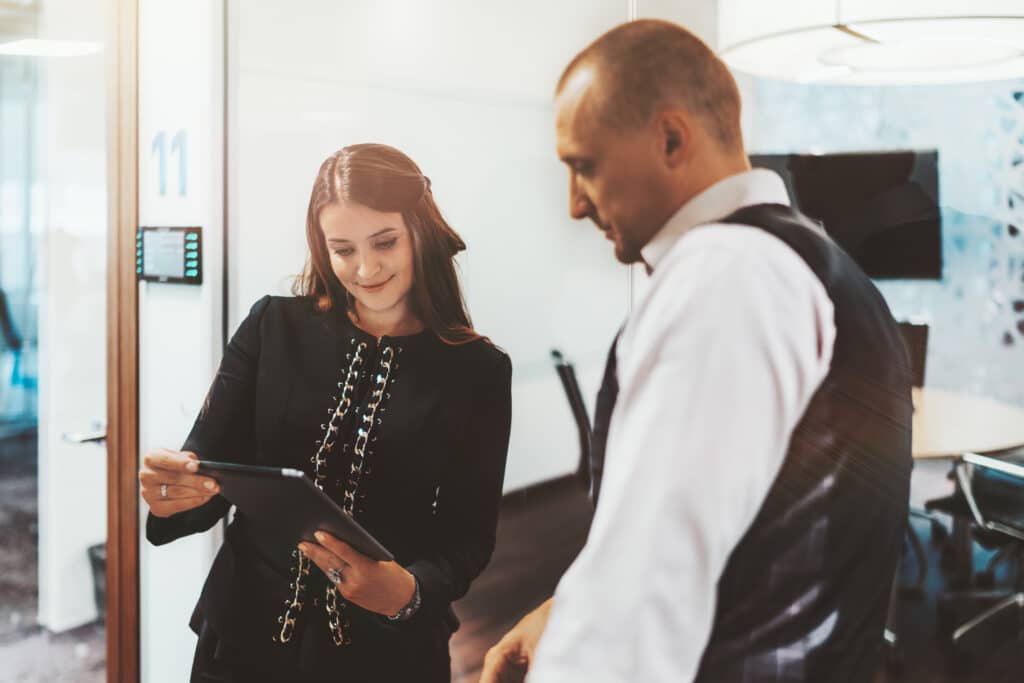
x=734 y=252
x=730 y=239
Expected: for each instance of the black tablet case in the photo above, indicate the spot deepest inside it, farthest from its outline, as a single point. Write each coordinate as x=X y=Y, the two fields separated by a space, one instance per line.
x=285 y=505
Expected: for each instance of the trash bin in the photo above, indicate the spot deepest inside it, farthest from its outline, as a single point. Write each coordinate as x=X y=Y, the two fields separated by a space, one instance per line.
x=98 y=561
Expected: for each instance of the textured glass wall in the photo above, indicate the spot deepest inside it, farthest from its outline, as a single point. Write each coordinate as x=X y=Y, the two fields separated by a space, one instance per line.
x=20 y=221
x=976 y=313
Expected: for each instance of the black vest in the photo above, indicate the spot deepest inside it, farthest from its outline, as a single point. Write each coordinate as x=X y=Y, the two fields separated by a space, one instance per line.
x=803 y=596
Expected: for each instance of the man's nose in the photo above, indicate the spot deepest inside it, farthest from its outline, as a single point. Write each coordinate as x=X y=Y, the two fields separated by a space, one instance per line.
x=579 y=204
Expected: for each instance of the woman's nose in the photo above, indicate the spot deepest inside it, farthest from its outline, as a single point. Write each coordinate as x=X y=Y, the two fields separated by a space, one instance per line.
x=368 y=267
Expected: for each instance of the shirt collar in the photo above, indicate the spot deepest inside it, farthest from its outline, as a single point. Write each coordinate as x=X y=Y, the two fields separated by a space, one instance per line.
x=757 y=186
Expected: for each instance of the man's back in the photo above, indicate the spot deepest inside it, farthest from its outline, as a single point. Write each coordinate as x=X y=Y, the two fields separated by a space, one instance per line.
x=804 y=594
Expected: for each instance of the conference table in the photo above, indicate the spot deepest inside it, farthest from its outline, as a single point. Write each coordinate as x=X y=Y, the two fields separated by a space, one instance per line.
x=948 y=424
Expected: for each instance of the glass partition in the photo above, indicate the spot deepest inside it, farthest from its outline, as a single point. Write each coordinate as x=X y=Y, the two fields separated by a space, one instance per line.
x=53 y=230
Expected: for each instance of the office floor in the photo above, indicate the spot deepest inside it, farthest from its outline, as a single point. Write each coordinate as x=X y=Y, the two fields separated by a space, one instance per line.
x=27 y=651
x=539 y=536
x=18 y=534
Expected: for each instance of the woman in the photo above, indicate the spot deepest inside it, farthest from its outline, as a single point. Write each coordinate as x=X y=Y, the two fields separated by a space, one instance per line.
x=374 y=383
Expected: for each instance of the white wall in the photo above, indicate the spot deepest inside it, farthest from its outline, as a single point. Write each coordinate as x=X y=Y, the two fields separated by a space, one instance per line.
x=698 y=16
x=465 y=88
x=180 y=90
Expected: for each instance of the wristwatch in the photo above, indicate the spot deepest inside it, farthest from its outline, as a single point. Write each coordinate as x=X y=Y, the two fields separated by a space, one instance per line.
x=411 y=607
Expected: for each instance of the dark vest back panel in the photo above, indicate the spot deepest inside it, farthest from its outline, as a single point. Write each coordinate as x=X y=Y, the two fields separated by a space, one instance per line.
x=803 y=596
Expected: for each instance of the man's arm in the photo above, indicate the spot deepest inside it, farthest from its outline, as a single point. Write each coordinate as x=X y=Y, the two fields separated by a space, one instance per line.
x=509 y=660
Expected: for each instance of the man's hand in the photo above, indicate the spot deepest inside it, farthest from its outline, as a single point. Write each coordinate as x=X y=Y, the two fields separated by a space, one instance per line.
x=510 y=659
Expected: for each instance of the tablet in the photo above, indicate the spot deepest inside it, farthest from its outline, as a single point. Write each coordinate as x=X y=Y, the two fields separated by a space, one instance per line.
x=285 y=504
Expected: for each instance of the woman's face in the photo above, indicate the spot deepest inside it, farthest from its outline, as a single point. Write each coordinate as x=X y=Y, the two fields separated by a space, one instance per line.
x=371 y=253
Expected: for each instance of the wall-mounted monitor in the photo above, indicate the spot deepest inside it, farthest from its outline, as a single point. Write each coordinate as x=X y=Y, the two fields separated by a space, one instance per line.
x=881 y=207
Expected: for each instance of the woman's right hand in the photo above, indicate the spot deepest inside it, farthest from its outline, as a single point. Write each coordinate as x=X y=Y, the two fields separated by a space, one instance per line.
x=170 y=484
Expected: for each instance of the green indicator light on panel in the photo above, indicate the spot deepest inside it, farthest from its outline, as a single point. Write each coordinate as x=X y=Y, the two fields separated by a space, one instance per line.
x=191 y=264
x=191 y=273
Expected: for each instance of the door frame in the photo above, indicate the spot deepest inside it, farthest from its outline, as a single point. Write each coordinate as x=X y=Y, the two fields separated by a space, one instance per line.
x=122 y=609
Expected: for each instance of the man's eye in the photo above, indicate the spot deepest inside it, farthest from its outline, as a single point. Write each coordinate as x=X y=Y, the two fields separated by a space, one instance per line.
x=582 y=167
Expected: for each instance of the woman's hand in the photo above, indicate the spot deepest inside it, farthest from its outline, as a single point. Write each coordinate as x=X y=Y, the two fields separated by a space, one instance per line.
x=170 y=484
x=381 y=587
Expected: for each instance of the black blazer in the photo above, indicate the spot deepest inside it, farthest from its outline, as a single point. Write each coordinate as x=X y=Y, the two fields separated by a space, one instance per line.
x=429 y=484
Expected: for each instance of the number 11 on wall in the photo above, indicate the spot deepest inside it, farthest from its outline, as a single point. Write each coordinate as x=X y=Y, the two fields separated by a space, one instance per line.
x=179 y=146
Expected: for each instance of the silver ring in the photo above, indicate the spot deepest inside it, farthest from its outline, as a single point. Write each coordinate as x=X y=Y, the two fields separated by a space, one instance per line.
x=335 y=575
x=163 y=490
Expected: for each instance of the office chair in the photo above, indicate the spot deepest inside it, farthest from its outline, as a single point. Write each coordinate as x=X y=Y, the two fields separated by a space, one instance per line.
x=567 y=374
x=915 y=338
x=993 y=492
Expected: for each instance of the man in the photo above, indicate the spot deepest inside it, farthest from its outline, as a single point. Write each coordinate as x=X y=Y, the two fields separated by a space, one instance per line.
x=755 y=489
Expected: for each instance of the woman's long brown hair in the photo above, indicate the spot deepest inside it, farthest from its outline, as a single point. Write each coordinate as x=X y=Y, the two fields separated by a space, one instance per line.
x=384 y=179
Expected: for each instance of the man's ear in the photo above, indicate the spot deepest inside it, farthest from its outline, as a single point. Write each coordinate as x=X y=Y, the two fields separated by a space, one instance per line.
x=674 y=134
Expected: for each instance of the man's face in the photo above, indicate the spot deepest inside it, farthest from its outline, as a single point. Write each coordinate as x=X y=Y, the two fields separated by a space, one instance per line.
x=615 y=176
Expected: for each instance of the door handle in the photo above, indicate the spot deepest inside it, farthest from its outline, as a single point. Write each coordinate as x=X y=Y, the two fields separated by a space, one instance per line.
x=98 y=434
x=86 y=437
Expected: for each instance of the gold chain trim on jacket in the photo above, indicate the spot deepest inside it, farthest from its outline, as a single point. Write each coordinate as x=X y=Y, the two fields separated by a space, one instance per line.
x=335 y=608
x=319 y=460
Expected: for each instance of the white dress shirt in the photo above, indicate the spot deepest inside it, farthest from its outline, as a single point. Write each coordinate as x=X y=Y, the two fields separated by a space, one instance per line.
x=716 y=365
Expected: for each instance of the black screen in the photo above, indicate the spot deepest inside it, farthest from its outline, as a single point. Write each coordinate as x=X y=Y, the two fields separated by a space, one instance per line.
x=881 y=207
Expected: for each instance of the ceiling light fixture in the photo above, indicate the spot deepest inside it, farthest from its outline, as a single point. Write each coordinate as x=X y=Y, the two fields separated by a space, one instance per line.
x=858 y=48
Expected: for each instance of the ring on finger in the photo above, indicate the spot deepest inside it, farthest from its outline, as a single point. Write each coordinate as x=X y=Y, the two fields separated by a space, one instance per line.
x=335 y=575
x=163 y=490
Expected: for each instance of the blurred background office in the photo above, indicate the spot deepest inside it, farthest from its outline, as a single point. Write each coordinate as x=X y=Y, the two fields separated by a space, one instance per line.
x=120 y=119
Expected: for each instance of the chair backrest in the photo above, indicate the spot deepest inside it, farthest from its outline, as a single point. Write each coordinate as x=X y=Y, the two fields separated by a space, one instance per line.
x=994 y=489
x=915 y=336
x=567 y=374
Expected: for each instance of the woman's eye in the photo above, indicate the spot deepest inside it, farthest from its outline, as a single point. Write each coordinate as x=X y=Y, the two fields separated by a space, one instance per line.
x=343 y=252
x=386 y=245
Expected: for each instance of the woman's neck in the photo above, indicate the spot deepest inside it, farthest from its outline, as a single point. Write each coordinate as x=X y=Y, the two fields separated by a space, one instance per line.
x=398 y=321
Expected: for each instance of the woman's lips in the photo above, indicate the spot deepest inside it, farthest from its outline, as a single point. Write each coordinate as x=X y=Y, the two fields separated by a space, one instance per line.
x=377 y=287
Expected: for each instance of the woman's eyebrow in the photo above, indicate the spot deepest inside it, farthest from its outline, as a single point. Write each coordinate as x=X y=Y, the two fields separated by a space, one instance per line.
x=339 y=240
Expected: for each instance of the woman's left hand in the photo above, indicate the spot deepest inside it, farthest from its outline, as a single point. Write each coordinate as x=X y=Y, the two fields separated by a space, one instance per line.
x=382 y=587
